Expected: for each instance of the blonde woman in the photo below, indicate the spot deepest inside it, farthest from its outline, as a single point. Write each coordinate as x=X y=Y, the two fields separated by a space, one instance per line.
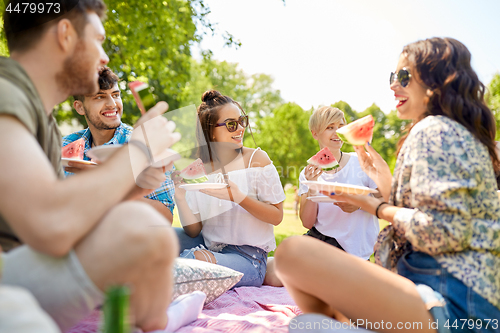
x=340 y=224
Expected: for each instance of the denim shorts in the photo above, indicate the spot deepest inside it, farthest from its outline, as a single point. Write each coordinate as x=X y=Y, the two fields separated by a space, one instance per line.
x=249 y=260
x=466 y=311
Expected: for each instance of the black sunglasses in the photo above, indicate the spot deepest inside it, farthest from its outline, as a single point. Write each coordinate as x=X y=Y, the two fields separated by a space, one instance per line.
x=232 y=125
x=403 y=76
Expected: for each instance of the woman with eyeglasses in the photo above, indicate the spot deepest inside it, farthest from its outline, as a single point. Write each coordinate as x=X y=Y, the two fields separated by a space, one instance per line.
x=236 y=223
x=444 y=236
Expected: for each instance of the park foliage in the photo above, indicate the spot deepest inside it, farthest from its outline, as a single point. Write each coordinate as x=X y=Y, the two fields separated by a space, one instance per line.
x=153 y=42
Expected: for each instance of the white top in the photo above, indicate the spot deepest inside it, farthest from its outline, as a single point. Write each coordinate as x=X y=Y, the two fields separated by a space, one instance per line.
x=225 y=222
x=356 y=232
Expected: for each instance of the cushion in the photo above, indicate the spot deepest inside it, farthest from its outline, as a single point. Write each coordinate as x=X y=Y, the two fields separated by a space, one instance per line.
x=212 y=279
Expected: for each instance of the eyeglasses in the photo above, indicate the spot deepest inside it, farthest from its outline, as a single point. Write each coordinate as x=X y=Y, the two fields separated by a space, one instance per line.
x=403 y=76
x=232 y=125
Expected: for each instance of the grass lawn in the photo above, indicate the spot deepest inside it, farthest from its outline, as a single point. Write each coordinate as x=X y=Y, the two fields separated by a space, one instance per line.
x=291 y=225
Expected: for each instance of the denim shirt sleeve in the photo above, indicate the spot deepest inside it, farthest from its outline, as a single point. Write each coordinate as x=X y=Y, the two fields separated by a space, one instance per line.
x=165 y=193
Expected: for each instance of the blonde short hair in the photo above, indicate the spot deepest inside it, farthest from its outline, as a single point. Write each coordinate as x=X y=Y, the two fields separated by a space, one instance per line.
x=324 y=116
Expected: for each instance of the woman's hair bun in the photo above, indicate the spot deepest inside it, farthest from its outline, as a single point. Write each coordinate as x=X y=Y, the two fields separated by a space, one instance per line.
x=210 y=95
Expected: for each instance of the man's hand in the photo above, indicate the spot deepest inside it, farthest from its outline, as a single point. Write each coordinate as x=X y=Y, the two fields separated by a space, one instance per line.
x=151 y=178
x=156 y=131
x=147 y=181
x=155 y=134
x=76 y=167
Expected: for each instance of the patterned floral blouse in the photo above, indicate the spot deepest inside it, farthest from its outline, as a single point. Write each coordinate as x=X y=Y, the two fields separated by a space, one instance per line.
x=445 y=181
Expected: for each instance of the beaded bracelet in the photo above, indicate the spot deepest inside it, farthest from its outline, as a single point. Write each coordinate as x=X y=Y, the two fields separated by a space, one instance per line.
x=378 y=207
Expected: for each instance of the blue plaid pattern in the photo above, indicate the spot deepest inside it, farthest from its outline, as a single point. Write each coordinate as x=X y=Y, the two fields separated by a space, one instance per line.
x=164 y=194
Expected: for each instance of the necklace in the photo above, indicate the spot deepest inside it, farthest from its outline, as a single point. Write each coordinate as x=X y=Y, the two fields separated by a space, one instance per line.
x=340 y=160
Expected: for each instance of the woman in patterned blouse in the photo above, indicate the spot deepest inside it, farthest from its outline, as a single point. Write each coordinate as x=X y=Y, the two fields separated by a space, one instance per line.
x=444 y=236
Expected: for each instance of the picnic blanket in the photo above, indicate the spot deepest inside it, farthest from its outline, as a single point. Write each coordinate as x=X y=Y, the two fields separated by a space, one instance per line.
x=245 y=309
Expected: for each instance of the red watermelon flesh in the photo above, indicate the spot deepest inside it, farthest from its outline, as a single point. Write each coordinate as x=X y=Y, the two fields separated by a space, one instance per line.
x=358 y=132
x=194 y=173
x=74 y=150
x=324 y=159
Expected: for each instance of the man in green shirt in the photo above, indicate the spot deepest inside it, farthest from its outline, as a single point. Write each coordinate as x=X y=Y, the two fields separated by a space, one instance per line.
x=75 y=237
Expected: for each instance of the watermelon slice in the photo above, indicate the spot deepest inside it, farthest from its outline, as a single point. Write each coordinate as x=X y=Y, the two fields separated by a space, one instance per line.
x=324 y=159
x=144 y=99
x=194 y=173
x=358 y=132
x=74 y=150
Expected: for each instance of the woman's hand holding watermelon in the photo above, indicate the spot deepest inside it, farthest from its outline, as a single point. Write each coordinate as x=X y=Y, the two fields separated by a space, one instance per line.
x=180 y=193
x=312 y=172
x=376 y=168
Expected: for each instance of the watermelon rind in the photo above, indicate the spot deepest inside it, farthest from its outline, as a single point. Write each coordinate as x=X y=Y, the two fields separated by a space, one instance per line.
x=346 y=133
x=195 y=180
x=332 y=168
x=326 y=167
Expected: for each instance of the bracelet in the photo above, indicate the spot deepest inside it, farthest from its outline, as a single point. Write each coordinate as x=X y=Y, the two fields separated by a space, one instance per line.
x=142 y=147
x=378 y=207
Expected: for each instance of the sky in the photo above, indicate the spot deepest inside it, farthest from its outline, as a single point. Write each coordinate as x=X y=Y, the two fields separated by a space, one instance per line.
x=323 y=51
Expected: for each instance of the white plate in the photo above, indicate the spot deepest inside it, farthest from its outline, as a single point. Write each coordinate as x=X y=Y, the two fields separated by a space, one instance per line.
x=203 y=186
x=102 y=153
x=321 y=198
x=66 y=160
x=338 y=188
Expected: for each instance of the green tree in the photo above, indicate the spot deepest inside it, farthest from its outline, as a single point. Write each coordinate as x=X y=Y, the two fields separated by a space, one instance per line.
x=284 y=135
x=349 y=113
x=493 y=100
x=254 y=92
x=3 y=42
x=150 y=41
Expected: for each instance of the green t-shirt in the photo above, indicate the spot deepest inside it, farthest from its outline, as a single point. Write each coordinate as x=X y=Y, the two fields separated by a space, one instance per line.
x=19 y=98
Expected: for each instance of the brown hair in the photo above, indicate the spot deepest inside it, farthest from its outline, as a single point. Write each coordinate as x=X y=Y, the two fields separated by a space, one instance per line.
x=107 y=79
x=208 y=113
x=24 y=29
x=443 y=65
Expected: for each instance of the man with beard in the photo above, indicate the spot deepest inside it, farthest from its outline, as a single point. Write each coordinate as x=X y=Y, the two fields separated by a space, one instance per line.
x=103 y=112
x=68 y=240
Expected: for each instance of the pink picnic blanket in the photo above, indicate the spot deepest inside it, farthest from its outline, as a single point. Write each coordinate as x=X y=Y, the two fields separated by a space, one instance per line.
x=245 y=309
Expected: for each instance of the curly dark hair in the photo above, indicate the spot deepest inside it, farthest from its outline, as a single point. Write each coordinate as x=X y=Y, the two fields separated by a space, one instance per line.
x=443 y=65
x=208 y=113
x=107 y=79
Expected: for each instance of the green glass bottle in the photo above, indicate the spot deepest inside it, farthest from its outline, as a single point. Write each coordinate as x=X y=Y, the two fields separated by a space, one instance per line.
x=116 y=310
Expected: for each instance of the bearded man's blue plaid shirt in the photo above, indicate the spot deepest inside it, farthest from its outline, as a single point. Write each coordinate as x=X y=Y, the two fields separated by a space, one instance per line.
x=164 y=194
